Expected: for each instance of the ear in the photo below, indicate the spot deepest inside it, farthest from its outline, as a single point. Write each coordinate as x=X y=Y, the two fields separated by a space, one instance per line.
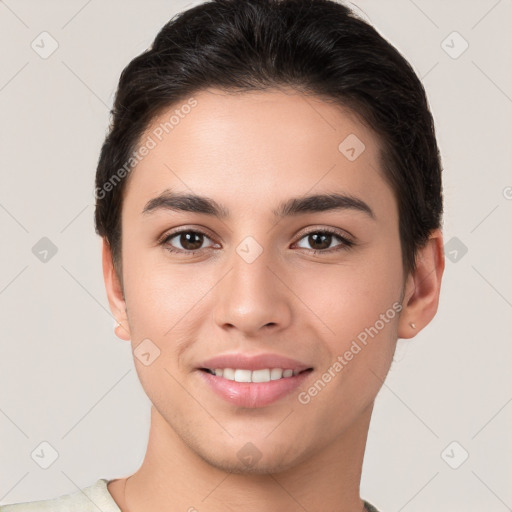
x=422 y=288
x=114 y=293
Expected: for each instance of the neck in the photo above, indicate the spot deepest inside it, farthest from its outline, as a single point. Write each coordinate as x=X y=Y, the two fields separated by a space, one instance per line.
x=173 y=475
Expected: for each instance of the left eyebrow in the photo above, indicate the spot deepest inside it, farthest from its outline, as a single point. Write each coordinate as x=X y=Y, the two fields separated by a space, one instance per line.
x=177 y=201
x=321 y=203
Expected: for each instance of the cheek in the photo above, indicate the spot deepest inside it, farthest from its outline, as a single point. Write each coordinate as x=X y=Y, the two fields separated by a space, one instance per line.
x=359 y=310
x=349 y=296
x=163 y=298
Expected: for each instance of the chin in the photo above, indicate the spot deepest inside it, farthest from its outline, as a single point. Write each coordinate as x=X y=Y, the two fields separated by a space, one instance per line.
x=247 y=459
x=238 y=467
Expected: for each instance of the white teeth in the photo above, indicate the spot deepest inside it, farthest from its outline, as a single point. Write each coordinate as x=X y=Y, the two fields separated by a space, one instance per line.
x=228 y=373
x=263 y=375
x=260 y=375
x=242 y=375
x=276 y=373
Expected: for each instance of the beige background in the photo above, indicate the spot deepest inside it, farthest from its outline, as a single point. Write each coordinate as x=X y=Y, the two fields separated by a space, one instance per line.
x=65 y=379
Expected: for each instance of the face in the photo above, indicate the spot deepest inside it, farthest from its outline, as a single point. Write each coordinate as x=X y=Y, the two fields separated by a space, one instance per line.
x=317 y=282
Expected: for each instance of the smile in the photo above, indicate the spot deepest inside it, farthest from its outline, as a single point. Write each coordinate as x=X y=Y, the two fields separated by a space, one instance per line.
x=253 y=388
x=261 y=375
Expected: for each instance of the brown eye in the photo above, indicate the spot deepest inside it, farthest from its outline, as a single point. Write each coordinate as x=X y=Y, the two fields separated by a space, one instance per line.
x=321 y=241
x=185 y=241
x=190 y=240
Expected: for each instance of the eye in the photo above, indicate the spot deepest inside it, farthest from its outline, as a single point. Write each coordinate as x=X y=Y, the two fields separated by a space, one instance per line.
x=321 y=241
x=189 y=241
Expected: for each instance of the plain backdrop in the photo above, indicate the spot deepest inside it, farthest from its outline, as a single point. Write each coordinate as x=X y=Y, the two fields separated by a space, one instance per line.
x=440 y=434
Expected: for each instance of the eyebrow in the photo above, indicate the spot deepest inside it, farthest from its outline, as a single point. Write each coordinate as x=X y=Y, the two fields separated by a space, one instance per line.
x=178 y=201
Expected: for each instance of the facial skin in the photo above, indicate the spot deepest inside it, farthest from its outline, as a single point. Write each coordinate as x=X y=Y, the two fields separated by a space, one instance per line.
x=251 y=152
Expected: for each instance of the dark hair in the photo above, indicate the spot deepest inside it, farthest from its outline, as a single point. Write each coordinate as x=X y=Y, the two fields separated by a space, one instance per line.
x=317 y=47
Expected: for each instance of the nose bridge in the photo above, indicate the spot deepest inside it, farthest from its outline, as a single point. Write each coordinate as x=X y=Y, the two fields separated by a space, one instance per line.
x=250 y=263
x=251 y=297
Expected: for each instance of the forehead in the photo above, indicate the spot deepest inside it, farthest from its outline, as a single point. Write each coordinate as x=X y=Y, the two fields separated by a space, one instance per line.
x=257 y=146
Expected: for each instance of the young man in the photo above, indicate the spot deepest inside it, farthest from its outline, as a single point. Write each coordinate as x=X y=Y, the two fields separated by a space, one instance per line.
x=269 y=198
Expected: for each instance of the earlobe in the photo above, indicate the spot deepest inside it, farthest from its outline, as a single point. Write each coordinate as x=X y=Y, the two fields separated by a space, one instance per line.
x=121 y=332
x=423 y=287
x=115 y=293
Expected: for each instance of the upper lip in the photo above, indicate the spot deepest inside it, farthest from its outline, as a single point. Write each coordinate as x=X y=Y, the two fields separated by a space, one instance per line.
x=253 y=362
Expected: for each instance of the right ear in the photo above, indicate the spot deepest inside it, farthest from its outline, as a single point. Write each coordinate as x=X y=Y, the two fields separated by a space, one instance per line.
x=114 y=292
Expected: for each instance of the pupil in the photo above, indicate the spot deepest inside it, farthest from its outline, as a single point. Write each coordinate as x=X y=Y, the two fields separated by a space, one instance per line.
x=315 y=237
x=186 y=240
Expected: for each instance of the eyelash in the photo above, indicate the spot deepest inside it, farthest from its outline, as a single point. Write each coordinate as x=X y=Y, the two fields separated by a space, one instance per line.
x=344 y=245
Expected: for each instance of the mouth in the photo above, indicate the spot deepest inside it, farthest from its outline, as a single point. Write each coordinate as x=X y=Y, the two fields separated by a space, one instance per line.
x=252 y=389
x=253 y=379
x=254 y=376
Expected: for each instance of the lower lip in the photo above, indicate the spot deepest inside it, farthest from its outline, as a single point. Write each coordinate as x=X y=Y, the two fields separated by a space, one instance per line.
x=253 y=394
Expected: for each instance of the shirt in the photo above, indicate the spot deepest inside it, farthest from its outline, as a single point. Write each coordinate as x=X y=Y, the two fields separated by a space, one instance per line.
x=89 y=499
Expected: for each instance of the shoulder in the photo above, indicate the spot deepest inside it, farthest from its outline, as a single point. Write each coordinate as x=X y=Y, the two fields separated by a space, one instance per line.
x=89 y=499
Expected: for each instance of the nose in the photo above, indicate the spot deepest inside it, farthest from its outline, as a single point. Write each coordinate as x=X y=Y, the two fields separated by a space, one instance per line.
x=253 y=297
